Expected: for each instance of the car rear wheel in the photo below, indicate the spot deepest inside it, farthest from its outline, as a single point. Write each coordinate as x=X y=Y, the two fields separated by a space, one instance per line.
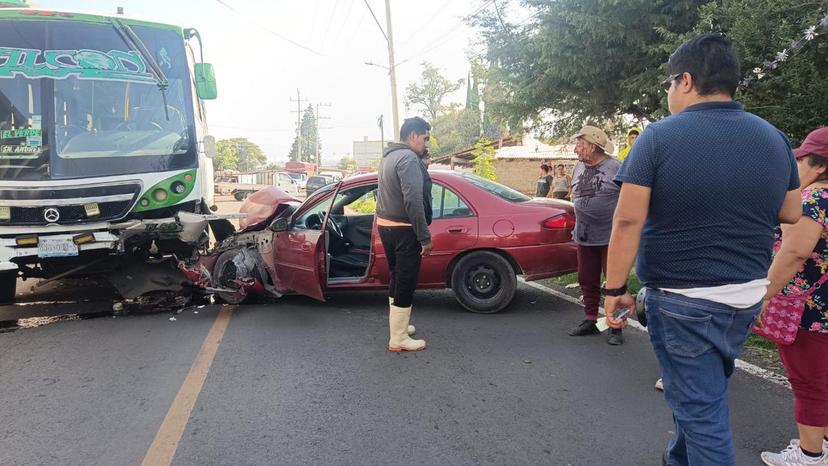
x=484 y=282
x=225 y=276
x=8 y=286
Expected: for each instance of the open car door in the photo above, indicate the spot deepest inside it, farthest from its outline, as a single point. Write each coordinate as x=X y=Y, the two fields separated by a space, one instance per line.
x=300 y=254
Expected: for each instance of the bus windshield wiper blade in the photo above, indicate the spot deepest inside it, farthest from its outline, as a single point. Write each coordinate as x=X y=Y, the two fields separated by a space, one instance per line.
x=137 y=45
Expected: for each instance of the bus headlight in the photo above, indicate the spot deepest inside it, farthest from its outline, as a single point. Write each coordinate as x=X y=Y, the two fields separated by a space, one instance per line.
x=178 y=187
x=159 y=195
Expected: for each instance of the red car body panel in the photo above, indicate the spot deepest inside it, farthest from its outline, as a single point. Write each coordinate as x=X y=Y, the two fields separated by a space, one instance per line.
x=514 y=229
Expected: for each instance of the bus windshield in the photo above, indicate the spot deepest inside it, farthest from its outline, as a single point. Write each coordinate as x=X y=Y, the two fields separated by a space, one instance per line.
x=73 y=94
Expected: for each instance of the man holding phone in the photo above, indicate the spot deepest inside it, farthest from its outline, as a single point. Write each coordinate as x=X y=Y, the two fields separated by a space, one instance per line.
x=403 y=216
x=703 y=243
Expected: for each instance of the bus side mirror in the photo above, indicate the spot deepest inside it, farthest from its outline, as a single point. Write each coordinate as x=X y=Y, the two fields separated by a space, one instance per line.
x=210 y=149
x=205 y=79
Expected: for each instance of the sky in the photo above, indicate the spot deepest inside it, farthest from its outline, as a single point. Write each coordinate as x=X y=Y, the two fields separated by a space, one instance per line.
x=259 y=70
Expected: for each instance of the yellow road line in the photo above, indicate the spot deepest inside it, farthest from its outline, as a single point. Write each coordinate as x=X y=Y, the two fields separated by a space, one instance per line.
x=163 y=447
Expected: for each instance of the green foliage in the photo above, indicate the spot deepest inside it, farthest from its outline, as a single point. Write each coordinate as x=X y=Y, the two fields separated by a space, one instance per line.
x=366 y=205
x=578 y=61
x=454 y=131
x=310 y=139
x=346 y=163
x=429 y=93
x=238 y=154
x=484 y=155
x=793 y=97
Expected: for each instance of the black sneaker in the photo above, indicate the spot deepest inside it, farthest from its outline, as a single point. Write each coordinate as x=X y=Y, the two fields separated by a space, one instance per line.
x=586 y=327
x=615 y=337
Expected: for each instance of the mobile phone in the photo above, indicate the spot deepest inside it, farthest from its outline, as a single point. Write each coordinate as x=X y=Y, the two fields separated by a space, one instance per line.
x=621 y=314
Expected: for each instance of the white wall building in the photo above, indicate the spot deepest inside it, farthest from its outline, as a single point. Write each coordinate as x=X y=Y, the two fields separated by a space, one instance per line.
x=367 y=153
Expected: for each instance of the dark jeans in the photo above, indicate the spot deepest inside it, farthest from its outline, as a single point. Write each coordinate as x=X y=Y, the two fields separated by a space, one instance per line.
x=403 y=253
x=559 y=194
x=592 y=260
x=696 y=342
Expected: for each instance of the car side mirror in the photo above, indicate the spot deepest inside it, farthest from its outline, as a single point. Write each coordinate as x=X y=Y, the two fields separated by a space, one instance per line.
x=205 y=80
x=280 y=224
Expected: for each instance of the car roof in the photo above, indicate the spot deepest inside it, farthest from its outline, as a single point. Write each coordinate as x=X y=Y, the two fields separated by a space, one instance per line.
x=435 y=173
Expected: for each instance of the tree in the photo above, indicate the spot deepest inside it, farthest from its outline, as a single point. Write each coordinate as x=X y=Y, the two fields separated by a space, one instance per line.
x=600 y=61
x=454 y=131
x=483 y=162
x=346 y=163
x=311 y=144
x=579 y=60
x=794 y=96
x=430 y=91
x=238 y=154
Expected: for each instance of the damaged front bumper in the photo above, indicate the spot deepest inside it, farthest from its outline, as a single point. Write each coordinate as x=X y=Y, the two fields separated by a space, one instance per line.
x=27 y=245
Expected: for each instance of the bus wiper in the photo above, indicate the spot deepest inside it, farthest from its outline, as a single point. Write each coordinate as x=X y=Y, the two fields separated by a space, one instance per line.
x=137 y=45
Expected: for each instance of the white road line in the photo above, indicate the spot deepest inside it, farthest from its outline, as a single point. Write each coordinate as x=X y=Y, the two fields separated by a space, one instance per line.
x=745 y=366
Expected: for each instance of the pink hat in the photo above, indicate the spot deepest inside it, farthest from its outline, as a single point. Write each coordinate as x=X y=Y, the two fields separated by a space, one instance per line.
x=816 y=143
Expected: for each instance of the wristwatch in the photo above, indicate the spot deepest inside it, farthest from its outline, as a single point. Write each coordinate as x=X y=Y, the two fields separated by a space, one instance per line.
x=613 y=291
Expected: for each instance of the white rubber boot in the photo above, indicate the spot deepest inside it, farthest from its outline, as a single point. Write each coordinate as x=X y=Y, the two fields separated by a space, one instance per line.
x=411 y=329
x=399 y=340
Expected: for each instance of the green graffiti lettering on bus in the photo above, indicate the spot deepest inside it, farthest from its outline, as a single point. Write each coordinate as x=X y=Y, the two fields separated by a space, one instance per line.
x=114 y=65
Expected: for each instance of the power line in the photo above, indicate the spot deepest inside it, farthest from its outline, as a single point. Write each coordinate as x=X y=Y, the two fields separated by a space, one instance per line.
x=344 y=21
x=330 y=21
x=440 y=40
x=428 y=21
x=286 y=39
x=376 y=20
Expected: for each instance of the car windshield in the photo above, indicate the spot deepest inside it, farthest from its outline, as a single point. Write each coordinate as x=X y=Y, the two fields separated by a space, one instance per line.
x=499 y=190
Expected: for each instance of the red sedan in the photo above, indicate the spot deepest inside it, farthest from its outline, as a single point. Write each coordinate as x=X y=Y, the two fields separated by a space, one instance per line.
x=484 y=235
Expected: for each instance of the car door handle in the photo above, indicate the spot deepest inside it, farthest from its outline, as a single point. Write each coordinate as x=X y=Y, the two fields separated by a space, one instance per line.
x=306 y=246
x=457 y=229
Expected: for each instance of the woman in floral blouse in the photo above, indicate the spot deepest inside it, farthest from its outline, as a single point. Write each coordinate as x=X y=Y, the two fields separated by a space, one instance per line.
x=801 y=259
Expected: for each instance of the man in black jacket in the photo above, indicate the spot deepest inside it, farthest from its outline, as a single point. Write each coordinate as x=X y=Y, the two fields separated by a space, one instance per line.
x=403 y=216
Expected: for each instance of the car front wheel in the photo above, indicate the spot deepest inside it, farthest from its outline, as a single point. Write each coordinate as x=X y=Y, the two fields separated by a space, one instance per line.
x=8 y=286
x=484 y=282
x=226 y=276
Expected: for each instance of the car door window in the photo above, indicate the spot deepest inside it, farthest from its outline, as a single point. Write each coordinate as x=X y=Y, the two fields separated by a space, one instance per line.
x=315 y=214
x=445 y=203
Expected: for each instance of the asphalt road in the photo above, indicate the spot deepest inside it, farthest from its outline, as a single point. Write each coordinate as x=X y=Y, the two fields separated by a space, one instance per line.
x=302 y=382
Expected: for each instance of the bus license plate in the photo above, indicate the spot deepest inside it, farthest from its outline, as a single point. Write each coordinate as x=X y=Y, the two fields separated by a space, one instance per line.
x=53 y=247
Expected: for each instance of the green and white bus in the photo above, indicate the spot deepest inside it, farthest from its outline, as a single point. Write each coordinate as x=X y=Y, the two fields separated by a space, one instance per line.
x=105 y=161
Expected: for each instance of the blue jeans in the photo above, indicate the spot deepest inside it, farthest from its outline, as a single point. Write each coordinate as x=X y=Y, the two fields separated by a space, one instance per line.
x=696 y=342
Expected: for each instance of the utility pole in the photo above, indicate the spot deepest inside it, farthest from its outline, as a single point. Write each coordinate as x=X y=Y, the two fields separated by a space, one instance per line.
x=316 y=142
x=298 y=111
x=382 y=134
x=392 y=72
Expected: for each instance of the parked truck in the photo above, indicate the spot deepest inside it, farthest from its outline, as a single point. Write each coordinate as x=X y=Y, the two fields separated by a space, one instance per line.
x=105 y=158
x=249 y=183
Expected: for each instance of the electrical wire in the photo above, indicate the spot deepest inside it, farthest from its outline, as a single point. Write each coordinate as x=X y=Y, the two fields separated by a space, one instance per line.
x=376 y=20
x=443 y=39
x=286 y=39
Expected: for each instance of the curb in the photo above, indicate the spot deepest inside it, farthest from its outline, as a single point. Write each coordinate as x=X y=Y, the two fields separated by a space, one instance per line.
x=745 y=366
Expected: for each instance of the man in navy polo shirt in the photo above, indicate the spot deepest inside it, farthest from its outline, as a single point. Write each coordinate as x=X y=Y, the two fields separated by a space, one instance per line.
x=701 y=192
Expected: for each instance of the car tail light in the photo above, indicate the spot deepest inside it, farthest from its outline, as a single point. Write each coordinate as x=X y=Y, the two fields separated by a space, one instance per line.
x=562 y=221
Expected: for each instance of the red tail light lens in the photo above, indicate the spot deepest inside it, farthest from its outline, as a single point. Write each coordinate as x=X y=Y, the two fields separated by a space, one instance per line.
x=562 y=221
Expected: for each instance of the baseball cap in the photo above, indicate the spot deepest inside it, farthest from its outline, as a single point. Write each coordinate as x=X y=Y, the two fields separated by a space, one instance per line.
x=816 y=143
x=595 y=136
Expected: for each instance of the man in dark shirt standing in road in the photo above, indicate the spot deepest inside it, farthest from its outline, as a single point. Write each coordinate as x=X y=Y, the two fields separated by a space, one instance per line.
x=702 y=192
x=595 y=195
x=403 y=215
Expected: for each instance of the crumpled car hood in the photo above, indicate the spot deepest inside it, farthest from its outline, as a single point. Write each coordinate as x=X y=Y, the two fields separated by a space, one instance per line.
x=262 y=206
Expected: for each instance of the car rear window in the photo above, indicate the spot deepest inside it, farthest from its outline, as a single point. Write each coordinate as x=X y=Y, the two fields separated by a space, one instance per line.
x=318 y=179
x=499 y=190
